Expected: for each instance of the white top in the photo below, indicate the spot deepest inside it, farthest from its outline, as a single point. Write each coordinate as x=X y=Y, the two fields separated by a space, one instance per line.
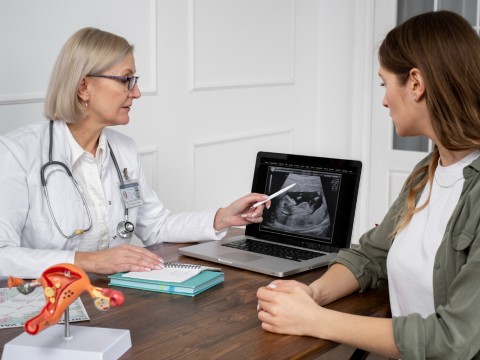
x=29 y=240
x=410 y=261
x=86 y=169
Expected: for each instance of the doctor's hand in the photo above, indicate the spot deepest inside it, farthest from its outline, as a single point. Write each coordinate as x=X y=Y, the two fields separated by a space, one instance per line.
x=118 y=259
x=240 y=212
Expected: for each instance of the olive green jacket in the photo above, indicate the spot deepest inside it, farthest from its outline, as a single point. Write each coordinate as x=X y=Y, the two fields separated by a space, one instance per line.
x=453 y=331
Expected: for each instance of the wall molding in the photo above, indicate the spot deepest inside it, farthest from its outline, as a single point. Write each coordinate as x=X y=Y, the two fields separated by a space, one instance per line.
x=36 y=96
x=151 y=89
x=196 y=144
x=196 y=85
x=362 y=104
x=149 y=159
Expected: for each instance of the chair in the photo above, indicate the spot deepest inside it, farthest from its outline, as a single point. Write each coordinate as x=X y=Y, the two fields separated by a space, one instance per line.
x=359 y=354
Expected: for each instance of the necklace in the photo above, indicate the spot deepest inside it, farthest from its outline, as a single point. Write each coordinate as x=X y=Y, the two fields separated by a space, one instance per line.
x=447 y=185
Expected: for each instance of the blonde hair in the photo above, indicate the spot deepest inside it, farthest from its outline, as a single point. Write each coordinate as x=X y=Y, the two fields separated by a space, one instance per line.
x=446 y=50
x=87 y=51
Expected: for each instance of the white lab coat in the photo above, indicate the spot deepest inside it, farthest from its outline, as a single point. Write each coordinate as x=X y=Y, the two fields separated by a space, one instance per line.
x=29 y=240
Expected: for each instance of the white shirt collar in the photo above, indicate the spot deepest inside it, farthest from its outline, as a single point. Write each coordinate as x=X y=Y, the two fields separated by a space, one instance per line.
x=78 y=151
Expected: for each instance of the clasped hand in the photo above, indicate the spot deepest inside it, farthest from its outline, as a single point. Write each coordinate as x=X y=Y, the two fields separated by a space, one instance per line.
x=287 y=307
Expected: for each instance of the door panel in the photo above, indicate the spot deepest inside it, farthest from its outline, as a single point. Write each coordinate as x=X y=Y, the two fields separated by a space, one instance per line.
x=389 y=167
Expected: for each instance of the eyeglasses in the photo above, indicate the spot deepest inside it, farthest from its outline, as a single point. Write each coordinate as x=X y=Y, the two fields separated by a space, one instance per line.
x=131 y=81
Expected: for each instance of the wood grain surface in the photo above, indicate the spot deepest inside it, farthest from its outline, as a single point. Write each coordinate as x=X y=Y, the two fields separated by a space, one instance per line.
x=220 y=323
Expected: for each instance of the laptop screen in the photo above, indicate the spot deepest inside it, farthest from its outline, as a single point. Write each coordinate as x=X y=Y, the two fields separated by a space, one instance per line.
x=318 y=211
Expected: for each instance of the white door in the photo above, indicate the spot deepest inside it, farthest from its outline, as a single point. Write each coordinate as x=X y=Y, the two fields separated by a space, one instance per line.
x=389 y=166
x=392 y=158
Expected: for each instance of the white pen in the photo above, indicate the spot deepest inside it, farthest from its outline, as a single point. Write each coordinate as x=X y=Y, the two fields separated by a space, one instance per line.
x=273 y=195
x=211 y=268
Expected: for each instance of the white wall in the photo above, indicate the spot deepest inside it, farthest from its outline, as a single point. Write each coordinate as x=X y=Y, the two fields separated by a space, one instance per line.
x=221 y=80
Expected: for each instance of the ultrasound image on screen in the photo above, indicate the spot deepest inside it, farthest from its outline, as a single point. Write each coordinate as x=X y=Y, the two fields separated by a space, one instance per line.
x=308 y=208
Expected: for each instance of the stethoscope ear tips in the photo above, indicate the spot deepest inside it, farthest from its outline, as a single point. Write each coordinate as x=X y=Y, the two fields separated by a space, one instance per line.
x=125 y=229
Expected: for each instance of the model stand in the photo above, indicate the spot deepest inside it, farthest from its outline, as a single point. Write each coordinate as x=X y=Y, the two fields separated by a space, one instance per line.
x=62 y=284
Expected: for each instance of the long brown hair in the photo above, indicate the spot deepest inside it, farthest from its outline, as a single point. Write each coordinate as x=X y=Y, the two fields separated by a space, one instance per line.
x=446 y=50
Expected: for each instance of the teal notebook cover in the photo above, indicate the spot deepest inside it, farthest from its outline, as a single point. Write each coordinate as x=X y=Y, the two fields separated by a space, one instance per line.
x=191 y=287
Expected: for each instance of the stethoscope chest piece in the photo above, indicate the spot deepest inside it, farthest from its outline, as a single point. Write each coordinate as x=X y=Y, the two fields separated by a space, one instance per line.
x=125 y=229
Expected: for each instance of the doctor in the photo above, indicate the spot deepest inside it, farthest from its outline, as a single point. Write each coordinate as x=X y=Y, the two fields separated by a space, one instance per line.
x=74 y=190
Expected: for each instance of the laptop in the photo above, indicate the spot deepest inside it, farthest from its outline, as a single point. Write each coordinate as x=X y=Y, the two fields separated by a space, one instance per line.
x=305 y=226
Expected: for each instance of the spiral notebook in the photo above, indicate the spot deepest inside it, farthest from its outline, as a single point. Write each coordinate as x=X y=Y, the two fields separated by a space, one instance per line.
x=172 y=272
x=175 y=278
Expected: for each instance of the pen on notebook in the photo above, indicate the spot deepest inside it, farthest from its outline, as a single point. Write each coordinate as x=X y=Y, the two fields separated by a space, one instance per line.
x=273 y=195
x=211 y=268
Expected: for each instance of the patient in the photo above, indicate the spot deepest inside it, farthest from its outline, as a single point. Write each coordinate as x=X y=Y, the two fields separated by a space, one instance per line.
x=428 y=244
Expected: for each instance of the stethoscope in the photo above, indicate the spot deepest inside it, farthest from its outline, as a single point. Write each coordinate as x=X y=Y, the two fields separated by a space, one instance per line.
x=124 y=228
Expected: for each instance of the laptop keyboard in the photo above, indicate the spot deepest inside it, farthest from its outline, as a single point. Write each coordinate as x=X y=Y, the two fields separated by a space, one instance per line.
x=276 y=250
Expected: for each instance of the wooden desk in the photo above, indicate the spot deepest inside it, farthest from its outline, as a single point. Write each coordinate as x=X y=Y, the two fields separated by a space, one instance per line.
x=220 y=323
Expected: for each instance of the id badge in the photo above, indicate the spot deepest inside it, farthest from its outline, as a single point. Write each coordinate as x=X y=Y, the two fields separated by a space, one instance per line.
x=131 y=195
